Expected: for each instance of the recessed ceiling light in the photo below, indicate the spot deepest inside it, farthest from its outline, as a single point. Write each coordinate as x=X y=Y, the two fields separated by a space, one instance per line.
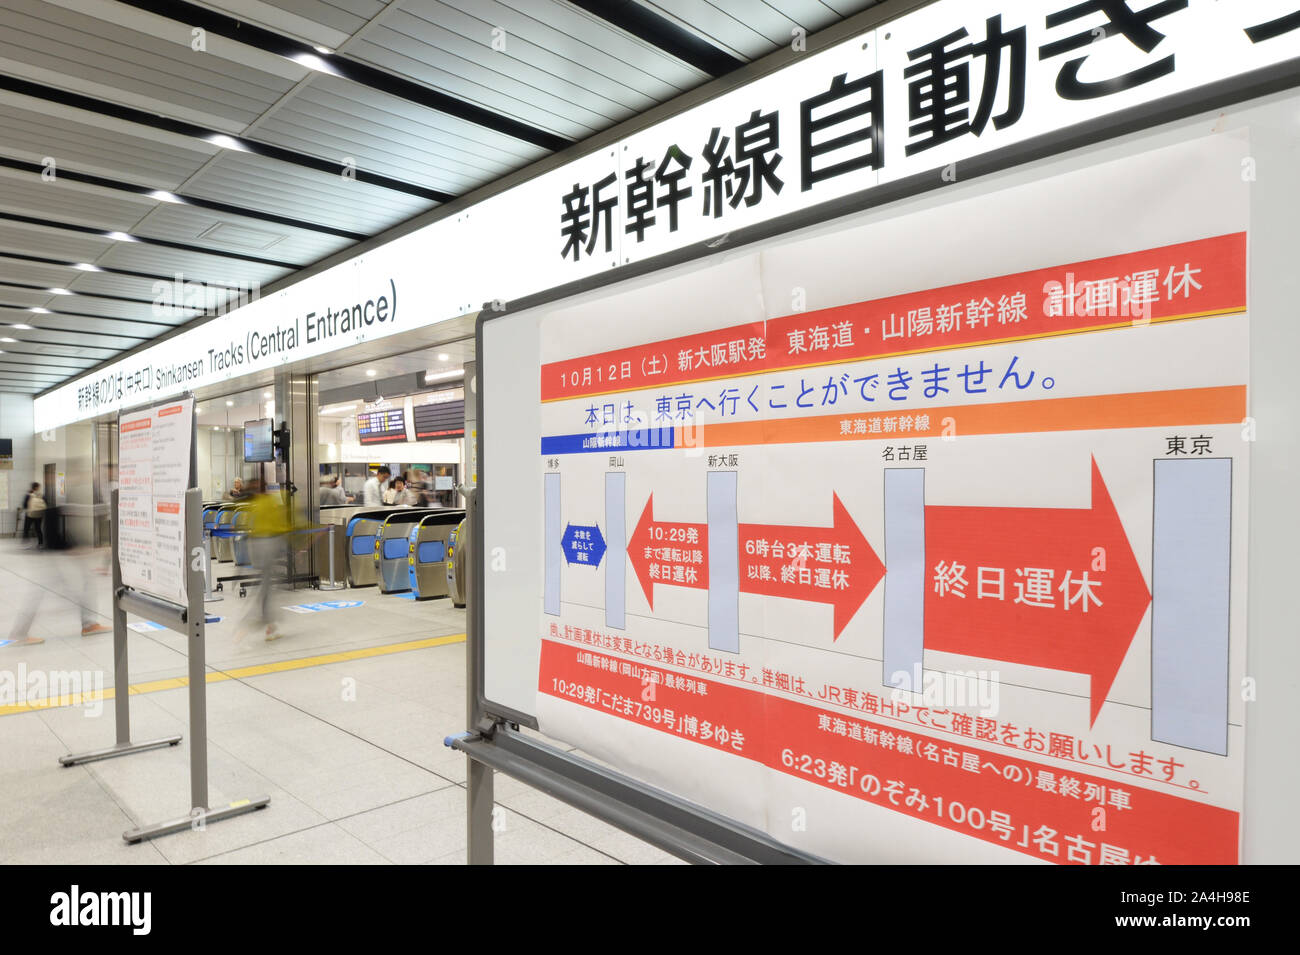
x=24 y=328
x=59 y=291
x=121 y=237
x=87 y=267
x=230 y=404
x=312 y=62
x=266 y=394
x=162 y=195
x=8 y=341
x=444 y=357
x=370 y=373
x=226 y=142
x=440 y=375
x=41 y=311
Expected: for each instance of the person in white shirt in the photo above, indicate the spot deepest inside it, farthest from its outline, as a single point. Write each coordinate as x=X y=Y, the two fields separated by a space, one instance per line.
x=372 y=492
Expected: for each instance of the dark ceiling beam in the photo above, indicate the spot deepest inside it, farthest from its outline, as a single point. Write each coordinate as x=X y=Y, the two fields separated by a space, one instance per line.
x=355 y=71
x=657 y=30
x=177 y=198
x=211 y=136
x=117 y=236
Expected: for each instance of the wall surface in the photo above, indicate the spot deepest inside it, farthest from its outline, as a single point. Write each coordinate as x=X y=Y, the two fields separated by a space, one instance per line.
x=16 y=424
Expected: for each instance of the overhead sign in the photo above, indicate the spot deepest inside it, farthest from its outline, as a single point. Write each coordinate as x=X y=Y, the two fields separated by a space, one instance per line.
x=923 y=92
x=154 y=452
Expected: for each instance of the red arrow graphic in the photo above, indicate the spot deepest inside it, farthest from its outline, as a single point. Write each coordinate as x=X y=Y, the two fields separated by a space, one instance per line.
x=1050 y=587
x=833 y=565
x=660 y=549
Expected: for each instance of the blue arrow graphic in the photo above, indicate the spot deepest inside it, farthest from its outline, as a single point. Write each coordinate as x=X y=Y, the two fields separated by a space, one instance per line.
x=583 y=544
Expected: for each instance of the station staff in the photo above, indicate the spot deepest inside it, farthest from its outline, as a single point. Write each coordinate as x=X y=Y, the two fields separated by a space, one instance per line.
x=372 y=493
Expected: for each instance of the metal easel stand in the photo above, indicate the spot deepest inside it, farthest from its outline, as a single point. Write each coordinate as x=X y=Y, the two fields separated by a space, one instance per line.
x=188 y=620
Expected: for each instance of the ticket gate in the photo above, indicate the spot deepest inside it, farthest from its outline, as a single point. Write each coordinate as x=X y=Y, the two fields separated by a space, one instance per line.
x=392 y=549
x=241 y=525
x=223 y=547
x=428 y=553
x=456 y=553
x=362 y=530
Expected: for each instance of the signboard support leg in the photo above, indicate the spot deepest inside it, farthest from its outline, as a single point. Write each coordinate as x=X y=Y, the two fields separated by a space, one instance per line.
x=479 y=782
x=121 y=681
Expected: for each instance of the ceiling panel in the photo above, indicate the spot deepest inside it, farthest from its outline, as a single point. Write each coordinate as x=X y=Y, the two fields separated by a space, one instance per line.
x=33 y=273
x=126 y=286
x=452 y=50
x=49 y=243
x=333 y=118
x=194 y=266
x=196 y=226
x=25 y=337
x=154 y=161
x=346 y=16
x=325 y=22
x=64 y=201
x=25 y=298
x=73 y=308
x=735 y=36
x=570 y=34
x=753 y=28
x=140 y=323
x=252 y=181
x=49 y=38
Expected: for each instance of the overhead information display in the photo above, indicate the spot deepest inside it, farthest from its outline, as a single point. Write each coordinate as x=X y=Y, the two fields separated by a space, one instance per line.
x=379 y=427
x=155 y=446
x=963 y=556
x=439 y=414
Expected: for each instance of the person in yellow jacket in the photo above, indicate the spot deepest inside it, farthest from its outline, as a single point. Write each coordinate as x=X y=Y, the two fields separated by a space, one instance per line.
x=270 y=521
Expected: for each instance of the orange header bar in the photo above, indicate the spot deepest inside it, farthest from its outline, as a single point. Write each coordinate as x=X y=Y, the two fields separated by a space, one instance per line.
x=1145 y=409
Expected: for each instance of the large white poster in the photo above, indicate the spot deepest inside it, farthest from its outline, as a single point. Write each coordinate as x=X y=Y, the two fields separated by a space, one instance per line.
x=154 y=469
x=935 y=549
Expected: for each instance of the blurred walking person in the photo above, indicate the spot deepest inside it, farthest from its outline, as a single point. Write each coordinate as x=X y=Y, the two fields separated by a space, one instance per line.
x=61 y=569
x=268 y=528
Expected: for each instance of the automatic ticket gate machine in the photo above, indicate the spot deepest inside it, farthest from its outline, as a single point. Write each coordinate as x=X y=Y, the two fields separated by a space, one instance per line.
x=392 y=549
x=456 y=573
x=429 y=552
x=223 y=539
x=362 y=531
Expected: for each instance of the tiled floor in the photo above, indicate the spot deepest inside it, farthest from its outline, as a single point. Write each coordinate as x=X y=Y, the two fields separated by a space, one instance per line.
x=350 y=753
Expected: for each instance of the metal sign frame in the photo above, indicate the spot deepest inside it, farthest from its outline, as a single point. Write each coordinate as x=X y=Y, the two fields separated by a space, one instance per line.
x=189 y=620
